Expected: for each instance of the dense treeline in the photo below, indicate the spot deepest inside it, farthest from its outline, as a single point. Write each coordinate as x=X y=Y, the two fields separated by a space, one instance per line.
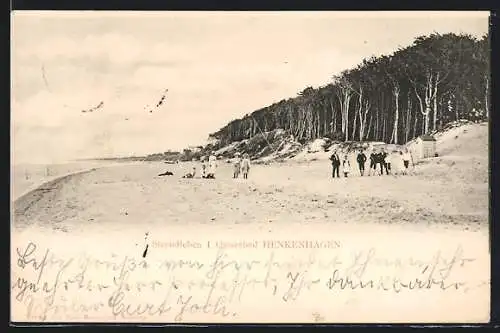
x=418 y=89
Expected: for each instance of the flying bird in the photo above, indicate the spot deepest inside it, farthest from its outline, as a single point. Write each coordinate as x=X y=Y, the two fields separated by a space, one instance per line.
x=100 y=105
x=160 y=102
x=162 y=99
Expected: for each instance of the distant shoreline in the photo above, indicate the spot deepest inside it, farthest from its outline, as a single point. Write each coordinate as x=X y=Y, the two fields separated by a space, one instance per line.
x=42 y=181
x=50 y=182
x=119 y=159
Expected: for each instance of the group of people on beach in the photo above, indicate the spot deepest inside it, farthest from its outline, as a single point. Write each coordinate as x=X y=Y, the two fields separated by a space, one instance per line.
x=380 y=161
x=209 y=167
x=241 y=165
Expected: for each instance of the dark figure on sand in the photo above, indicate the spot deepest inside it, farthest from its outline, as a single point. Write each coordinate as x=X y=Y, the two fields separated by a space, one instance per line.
x=335 y=164
x=166 y=173
x=387 y=163
x=381 y=161
x=373 y=164
x=361 y=162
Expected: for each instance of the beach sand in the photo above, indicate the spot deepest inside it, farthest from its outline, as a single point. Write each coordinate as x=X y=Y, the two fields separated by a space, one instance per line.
x=276 y=196
x=118 y=209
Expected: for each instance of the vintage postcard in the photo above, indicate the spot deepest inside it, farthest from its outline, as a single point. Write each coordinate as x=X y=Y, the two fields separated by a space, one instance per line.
x=250 y=167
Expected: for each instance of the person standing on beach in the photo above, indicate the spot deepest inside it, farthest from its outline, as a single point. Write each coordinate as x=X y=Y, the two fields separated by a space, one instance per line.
x=361 y=162
x=346 y=166
x=387 y=163
x=335 y=164
x=373 y=164
x=203 y=168
x=236 y=165
x=245 y=166
x=212 y=166
x=398 y=162
x=381 y=160
x=406 y=160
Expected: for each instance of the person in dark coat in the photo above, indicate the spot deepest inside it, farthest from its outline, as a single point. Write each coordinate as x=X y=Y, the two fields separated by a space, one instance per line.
x=387 y=162
x=361 y=158
x=335 y=164
x=381 y=160
x=373 y=163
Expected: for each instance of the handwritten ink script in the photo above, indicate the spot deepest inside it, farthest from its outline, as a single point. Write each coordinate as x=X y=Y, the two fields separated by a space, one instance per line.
x=47 y=286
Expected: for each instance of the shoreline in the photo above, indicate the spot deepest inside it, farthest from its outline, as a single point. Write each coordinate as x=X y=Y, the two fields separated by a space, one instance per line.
x=46 y=181
x=25 y=201
x=51 y=181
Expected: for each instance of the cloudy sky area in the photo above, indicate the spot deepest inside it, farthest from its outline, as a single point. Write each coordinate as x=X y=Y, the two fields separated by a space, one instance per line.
x=217 y=66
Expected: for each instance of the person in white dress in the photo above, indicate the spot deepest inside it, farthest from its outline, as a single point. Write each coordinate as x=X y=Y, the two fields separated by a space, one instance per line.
x=399 y=165
x=406 y=160
x=346 y=166
x=236 y=166
x=212 y=166
x=203 y=168
x=245 y=166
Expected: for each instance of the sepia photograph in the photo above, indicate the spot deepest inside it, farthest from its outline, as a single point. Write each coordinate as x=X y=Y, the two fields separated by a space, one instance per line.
x=179 y=167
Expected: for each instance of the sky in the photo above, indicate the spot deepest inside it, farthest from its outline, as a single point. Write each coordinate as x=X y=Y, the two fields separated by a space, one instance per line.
x=217 y=66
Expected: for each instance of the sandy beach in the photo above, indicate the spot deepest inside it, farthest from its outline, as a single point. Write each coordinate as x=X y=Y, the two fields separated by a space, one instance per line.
x=116 y=210
x=450 y=191
x=277 y=196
